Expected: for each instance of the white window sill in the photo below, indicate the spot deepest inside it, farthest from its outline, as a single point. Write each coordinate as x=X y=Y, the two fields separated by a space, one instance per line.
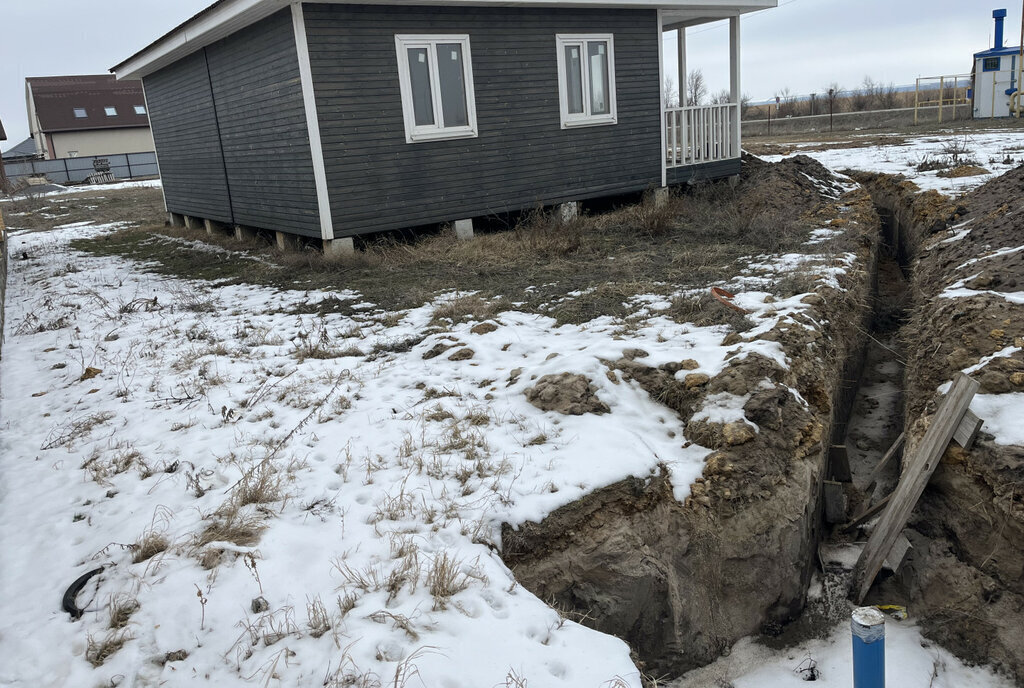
x=442 y=135
x=589 y=122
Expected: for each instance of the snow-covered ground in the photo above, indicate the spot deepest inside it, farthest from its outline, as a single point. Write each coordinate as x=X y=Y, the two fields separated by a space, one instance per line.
x=911 y=662
x=290 y=499
x=293 y=499
x=990 y=148
x=51 y=190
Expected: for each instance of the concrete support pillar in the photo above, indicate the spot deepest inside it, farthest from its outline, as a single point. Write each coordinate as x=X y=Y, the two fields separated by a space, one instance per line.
x=243 y=233
x=192 y=222
x=338 y=248
x=287 y=242
x=176 y=220
x=734 y=181
x=567 y=212
x=464 y=229
x=214 y=226
x=660 y=196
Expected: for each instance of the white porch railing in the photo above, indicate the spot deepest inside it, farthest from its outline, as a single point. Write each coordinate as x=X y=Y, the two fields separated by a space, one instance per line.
x=704 y=133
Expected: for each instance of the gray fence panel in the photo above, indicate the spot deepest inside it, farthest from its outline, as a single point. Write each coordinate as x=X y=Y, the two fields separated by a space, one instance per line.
x=76 y=170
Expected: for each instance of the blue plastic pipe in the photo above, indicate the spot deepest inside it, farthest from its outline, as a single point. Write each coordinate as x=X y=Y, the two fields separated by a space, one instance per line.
x=868 y=626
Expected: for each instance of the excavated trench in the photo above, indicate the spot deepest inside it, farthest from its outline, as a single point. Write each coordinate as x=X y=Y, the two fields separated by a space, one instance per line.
x=681 y=582
x=874 y=419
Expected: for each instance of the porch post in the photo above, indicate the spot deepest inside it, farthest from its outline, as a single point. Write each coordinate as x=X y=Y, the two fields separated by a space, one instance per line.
x=661 y=90
x=681 y=57
x=735 y=92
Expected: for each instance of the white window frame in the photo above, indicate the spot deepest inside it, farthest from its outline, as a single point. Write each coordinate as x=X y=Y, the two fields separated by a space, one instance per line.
x=110 y=110
x=417 y=133
x=140 y=109
x=585 y=119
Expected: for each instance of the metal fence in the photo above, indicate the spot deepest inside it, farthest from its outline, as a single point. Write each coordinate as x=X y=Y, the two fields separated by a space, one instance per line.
x=75 y=170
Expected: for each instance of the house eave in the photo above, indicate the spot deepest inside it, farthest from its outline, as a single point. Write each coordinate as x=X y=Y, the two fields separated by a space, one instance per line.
x=225 y=17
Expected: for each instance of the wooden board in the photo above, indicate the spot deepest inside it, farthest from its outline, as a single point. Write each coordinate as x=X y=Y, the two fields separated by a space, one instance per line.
x=968 y=429
x=898 y=554
x=835 y=501
x=873 y=477
x=867 y=514
x=839 y=463
x=919 y=468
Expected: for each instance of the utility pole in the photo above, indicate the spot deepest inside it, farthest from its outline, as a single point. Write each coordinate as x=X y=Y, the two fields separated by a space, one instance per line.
x=831 y=103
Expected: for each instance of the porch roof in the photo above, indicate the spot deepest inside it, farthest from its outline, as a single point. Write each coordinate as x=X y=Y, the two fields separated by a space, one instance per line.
x=225 y=17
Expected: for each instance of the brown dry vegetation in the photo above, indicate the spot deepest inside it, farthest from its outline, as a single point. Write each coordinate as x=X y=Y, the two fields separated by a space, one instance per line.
x=573 y=271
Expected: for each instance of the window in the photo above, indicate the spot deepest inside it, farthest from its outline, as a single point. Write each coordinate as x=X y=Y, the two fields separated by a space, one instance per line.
x=110 y=110
x=80 y=113
x=586 y=79
x=140 y=109
x=990 y=64
x=435 y=74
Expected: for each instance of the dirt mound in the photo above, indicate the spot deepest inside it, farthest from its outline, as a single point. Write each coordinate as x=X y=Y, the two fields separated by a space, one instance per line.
x=568 y=393
x=793 y=186
x=962 y=171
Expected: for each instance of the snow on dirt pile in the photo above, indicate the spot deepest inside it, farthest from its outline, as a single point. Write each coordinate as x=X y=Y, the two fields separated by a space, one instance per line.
x=282 y=498
x=952 y=163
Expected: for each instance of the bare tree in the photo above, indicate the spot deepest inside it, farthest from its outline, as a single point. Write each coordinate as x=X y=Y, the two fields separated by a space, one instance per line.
x=744 y=105
x=722 y=97
x=786 y=101
x=696 y=88
x=833 y=93
x=669 y=92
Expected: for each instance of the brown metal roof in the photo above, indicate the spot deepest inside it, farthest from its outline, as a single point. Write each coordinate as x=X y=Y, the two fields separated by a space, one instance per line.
x=57 y=97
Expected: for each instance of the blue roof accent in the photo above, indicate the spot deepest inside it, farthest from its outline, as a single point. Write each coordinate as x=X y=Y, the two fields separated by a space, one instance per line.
x=998 y=14
x=994 y=52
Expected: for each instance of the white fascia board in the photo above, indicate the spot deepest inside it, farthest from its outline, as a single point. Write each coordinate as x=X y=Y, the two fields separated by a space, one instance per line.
x=221 y=21
x=232 y=15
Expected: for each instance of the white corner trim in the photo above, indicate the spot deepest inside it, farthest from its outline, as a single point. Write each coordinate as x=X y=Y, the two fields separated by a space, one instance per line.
x=312 y=124
x=156 y=155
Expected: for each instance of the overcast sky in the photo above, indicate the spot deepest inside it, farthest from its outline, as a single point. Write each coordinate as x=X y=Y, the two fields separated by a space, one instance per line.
x=802 y=45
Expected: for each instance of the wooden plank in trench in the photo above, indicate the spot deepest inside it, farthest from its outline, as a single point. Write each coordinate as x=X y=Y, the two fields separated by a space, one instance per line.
x=920 y=466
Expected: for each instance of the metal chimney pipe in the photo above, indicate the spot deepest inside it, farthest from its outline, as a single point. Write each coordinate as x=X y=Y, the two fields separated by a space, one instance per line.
x=999 y=16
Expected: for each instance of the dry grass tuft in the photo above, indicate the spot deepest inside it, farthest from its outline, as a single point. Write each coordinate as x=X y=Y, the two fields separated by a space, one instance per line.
x=150 y=544
x=470 y=307
x=261 y=485
x=231 y=525
x=705 y=310
x=445 y=579
x=98 y=650
x=121 y=608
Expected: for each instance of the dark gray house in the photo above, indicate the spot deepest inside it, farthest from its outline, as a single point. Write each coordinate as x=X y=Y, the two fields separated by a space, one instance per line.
x=334 y=119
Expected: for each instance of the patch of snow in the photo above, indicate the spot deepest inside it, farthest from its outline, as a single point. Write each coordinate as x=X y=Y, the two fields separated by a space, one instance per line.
x=912 y=662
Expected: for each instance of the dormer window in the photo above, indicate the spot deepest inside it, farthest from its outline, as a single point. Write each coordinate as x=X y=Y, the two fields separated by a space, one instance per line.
x=80 y=113
x=110 y=110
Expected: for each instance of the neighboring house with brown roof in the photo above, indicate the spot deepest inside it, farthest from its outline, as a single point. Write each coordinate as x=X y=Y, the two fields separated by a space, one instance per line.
x=72 y=116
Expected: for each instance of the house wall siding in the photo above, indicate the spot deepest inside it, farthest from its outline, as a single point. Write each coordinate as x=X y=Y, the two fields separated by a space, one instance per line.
x=185 y=132
x=522 y=157
x=243 y=147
